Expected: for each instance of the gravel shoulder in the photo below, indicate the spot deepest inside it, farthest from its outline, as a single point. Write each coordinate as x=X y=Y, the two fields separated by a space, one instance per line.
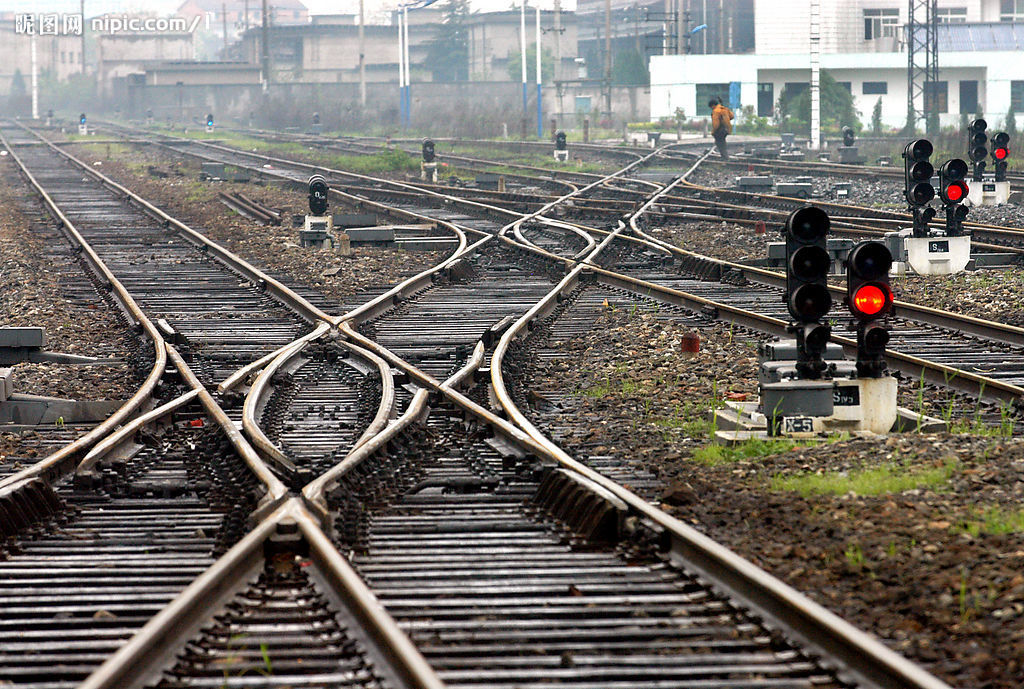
x=918 y=538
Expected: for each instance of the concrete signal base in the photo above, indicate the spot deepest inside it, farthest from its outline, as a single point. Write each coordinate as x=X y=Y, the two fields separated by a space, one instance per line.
x=988 y=193
x=561 y=156
x=428 y=172
x=938 y=255
x=83 y=130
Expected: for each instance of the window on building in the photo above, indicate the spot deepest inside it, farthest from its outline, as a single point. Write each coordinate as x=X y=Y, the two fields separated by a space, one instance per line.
x=765 y=99
x=952 y=15
x=706 y=92
x=875 y=88
x=1011 y=10
x=936 y=97
x=583 y=105
x=881 y=23
x=63 y=57
x=968 y=96
x=1017 y=96
x=846 y=85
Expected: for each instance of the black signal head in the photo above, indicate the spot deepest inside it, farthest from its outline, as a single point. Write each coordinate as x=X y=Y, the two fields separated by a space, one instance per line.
x=1001 y=139
x=318 y=191
x=848 y=136
x=978 y=125
x=919 y=149
x=953 y=170
x=870 y=261
x=808 y=224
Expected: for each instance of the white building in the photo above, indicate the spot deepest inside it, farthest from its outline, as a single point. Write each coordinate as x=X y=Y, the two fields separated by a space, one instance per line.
x=862 y=47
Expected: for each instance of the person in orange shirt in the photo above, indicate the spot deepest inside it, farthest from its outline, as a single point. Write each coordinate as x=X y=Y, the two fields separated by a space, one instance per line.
x=721 y=125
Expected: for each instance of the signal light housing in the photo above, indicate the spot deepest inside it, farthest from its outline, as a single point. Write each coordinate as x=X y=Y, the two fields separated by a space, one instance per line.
x=560 y=141
x=318 y=191
x=209 y=120
x=81 y=118
x=918 y=189
x=977 y=139
x=807 y=296
x=952 y=187
x=428 y=151
x=848 y=136
x=869 y=298
x=1000 y=152
x=316 y=118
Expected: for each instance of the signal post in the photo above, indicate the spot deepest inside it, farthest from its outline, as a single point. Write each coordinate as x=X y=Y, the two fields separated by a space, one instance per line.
x=428 y=166
x=807 y=385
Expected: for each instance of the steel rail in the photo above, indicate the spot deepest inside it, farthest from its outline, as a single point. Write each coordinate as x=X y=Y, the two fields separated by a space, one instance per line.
x=64 y=460
x=861 y=654
x=282 y=293
x=141 y=661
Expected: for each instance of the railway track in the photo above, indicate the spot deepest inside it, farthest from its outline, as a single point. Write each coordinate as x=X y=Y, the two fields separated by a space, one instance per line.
x=452 y=482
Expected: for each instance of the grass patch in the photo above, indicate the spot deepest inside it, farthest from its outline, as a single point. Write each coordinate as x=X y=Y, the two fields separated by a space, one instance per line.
x=994 y=521
x=714 y=455
x=888 y=478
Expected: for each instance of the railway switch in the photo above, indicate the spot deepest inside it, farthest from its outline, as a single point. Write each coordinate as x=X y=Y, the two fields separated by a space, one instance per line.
x=807 y=296
x=561 y=147
x=428 y=167
x=977 y=139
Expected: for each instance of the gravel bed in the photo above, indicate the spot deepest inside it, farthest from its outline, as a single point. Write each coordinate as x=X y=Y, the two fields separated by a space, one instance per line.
x=272 y=248
x=885 y=192
x=993 y=294
x=933 y=566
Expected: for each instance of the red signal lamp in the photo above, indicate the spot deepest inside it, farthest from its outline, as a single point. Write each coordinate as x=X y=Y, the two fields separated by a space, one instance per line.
x=870 y=300
x=956 y=192
x=1001 y=153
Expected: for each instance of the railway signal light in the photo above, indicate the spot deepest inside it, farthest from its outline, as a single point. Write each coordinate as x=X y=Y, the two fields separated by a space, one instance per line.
x=917 y=188
x=952 y=187
x=807 y=296
x=209 y=121
x=81 y=119
x=560 y=144
x=1000 y=152
x=318 y=190
x=977 y=139
x=316 y=118
x=428 y=151
x=848 y=136
x=869 y=298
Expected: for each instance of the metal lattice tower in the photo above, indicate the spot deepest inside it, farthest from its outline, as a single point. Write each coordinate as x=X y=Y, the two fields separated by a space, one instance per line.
x=922 y=58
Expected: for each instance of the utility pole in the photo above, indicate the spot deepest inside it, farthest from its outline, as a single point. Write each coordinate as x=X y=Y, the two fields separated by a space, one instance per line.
x=558 y=39
x=522 y=50
x=265 y=48
x=608 y=58
x=81 y=9
x=540 y=111
x=815 y=74
x=362 y=54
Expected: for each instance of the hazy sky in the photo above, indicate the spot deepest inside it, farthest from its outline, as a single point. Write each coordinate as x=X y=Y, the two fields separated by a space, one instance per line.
x=168 y=6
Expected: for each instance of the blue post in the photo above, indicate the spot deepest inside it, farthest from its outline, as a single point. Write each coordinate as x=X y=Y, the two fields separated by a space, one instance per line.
x=540 y=114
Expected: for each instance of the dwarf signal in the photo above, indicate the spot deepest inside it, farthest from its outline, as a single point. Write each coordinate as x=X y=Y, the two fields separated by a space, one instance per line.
x=977 y=139
x=869 y=298
x=561 y=147
x=318 y=191
x=807 y=296
x=209 y=122
x=848 y=136
x=918 y=189
x=1000 y=152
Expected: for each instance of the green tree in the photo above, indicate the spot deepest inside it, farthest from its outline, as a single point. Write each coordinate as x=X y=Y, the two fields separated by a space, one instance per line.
x=547 y=64
x=836 y=106
x=1010 y=127
x=448 y=51
x=628 y=68
x=876 y=118
x=910 y=126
